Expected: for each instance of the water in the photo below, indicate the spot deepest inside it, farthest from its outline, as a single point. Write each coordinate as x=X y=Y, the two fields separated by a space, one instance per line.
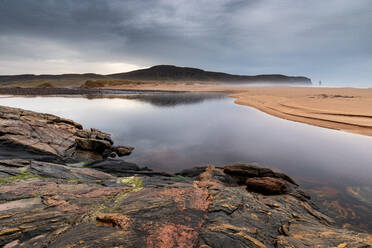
x=171 y=132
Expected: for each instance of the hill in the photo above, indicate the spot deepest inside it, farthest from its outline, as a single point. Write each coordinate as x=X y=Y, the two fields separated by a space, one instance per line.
x=161 y=73
x=175 y=73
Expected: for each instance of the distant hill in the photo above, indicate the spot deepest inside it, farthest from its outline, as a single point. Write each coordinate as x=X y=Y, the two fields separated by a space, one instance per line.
x=175 y=73
x=43 y=77
x=162 y=73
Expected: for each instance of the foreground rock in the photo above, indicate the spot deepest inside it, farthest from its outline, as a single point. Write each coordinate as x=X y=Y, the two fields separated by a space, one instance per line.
x=113 y=203
x=59 y=205
x=122 y=168
x=51 y=135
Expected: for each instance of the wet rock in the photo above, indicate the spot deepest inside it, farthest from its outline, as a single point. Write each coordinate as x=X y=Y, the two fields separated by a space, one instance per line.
x=121 y=168
x=92 y=144
x=17 y=163
x=7 y=172
x=244 y=171
x=237 y=218
x=46 y=209
x=12 y=167
x=50 y=170
x=65 y=172
x=114 y=219
x=192 y=172
x=113 y=166
x=160 y=212
x=97 y=134
x=82 y=134
x=113 y=203
x=267 y=185
x=123 y=150
x=51 y=135
x=256 y=179
x=212 y=173
x=86 y=155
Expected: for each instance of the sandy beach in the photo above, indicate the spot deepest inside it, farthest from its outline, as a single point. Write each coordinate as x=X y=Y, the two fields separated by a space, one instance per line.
x=345 y=109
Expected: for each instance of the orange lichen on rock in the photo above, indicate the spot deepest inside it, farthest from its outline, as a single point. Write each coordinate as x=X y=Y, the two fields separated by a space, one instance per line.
x=198 y=197
x=56 y=201
x=114 y=219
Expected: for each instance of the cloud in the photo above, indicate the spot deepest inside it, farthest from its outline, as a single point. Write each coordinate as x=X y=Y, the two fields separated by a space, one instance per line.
x=321 y=39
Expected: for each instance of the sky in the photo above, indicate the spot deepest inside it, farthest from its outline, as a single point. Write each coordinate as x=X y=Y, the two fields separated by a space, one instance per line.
x=324 y=40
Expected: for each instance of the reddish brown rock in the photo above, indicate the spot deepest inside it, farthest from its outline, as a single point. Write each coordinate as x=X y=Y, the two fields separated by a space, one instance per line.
x=243 y=171
x=69 y=205
x=267 y=185
x=114 y=219
x=161 y=212
x=92 y=144
x=123 y=150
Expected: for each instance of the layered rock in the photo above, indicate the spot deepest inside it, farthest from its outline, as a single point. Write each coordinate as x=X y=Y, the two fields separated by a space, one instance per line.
x=211 y=209
x=122 y=168
x=112 y=203
x=51 y=135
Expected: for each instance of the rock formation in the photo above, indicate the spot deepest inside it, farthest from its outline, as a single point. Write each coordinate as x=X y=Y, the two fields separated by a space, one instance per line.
x=112 y=203
x=59 y=205
x=51 y=135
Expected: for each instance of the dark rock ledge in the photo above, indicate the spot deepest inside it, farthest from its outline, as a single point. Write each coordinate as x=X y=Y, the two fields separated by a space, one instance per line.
x=112 y=203
x=54 y=136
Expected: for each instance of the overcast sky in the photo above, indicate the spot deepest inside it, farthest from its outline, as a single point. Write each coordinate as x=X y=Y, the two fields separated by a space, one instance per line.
x=329 y=40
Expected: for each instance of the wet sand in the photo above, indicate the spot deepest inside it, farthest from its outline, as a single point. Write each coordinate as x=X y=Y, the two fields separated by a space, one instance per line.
x=345 y=109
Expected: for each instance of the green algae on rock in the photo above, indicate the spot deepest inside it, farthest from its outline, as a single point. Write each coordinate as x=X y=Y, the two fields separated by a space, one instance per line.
x=133 y=181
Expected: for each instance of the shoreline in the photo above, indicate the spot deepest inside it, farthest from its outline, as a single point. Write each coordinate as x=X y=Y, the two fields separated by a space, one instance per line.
x=343 y=109
x=111 y=202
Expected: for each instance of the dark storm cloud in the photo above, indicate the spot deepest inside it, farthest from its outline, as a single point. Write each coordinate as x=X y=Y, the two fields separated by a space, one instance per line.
x=327 y=39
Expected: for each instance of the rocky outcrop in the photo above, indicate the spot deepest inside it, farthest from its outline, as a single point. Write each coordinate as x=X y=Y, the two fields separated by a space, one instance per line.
x=55 y=136
x=19 y=168
x=113 y=203
x=239 y=218
x=123 y=150
x=241 y=172
x=61 y=205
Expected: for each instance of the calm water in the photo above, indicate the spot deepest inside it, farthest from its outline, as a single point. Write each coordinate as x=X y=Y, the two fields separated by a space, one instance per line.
x=171 y=132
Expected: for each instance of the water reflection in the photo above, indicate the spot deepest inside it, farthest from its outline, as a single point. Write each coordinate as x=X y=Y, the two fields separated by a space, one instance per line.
x=165 y=99
x=335 y=166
